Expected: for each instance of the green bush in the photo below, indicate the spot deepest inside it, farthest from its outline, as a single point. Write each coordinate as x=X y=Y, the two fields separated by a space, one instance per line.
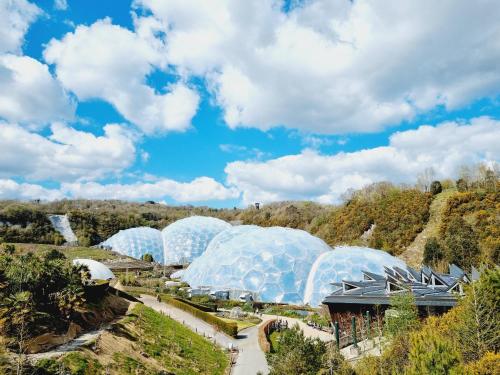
x=229 y=328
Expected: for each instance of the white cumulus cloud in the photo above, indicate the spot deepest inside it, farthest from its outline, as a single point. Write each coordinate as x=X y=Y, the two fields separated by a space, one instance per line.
x=15 y=19
x=29 y=94
x=110 y=62
x=323 y=178
x=66 y=154
x=199 y=189
x=333 y=66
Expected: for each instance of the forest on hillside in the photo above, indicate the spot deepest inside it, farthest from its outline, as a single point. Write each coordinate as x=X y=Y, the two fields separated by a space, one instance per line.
x=381 y=215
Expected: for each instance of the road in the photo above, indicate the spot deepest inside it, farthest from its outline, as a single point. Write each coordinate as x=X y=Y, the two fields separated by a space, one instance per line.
x=250 y=360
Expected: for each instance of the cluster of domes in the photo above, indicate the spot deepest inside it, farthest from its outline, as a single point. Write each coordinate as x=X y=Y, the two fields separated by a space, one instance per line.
x=276 y=264
x=272 y=262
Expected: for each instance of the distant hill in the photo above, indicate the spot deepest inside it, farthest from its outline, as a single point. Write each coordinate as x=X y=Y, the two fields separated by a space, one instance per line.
x=382 y=216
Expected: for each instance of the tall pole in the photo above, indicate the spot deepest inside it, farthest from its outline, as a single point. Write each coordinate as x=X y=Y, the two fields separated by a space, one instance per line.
x=337 y=335
x=368 y=333
x=353 y=328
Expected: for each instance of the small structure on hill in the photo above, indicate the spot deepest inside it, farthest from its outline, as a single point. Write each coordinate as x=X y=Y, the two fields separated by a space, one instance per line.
x=434 y=292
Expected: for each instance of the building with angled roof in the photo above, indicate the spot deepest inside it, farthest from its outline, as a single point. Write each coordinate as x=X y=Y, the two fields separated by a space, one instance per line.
x=434 y=292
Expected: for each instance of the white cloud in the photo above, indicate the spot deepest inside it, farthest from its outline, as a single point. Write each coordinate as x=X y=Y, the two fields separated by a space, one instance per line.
x=333 y=67
x=110 y=62
x=199 y=189
x=66 y=155
x=324 y=178
x=15 y=19
x=10 y=189
x=60 y=4
x=29 y=94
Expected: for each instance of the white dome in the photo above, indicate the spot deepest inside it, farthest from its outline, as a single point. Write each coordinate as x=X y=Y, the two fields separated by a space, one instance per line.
x=344 y=263
x=187 y=239
x=98 y=271
x=135 y=242
x=272 y=262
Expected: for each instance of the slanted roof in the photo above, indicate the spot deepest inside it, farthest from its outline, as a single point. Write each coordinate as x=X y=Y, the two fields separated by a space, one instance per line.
x=438 y=289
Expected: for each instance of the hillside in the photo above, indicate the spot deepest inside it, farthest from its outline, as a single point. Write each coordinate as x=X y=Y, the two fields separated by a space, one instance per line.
x=143 y=342
x=399 y=220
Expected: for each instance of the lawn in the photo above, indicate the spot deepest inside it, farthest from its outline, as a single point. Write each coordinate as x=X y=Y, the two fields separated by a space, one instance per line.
x=70 y=251
x=176 y=347
x=242 y=324
x=144 y=342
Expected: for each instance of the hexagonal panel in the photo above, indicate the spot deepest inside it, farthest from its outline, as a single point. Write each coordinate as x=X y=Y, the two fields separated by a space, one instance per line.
x=188 y=238
x=135 y=242
x=344 y=263
x=276 y=260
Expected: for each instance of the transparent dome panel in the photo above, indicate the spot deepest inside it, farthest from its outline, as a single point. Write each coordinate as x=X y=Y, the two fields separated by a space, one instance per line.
x=136 y=242
x=344 y=263
x=272 y=262
x=187 y=239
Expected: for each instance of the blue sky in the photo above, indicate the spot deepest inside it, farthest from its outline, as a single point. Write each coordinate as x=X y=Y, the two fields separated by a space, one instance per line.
x=266 y=105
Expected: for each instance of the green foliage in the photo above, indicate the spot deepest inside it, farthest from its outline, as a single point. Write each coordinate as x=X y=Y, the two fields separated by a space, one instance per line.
x=403 y=316
x=229 y=328
x=479 y=210
x=436 y=187
x=378 y=204
x=461 y=243
x=297 y=354
x=38 y=292
x=176 y=347
x=148 y=258
x=25 y=223
x=433 y=252
x=431 y=354
x=478 y=330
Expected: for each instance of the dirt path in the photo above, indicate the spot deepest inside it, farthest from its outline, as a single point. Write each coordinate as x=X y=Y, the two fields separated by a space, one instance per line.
x=414 y=254
x=69 y=346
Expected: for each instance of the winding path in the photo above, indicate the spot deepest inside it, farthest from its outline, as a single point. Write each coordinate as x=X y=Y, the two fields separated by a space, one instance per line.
x=250 y=360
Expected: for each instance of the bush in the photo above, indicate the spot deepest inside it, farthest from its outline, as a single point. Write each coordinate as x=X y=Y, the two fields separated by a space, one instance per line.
x=432 y=354
x=229 y=328
x=433 y=252
x=436 y=187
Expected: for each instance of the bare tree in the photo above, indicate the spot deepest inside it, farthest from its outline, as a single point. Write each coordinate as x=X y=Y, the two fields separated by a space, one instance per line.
x=425 y=178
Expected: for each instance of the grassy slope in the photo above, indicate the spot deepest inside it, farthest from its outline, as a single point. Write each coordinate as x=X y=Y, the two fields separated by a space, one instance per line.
x=70 y=251
x=414 y=253
x=147 y=342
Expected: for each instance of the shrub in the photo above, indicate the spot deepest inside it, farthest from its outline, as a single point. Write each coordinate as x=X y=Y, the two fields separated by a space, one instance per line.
x=405 y=316
x=264 y=331
x=432 y=354
x=433 y=252
x=436 y=187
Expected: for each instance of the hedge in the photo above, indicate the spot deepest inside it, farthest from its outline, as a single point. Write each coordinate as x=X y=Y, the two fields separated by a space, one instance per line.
x=197 y=306
x=230 y=329
x=264 y=330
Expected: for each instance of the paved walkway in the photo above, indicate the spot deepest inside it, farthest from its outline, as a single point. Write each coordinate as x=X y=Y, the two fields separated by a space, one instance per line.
x=250 y=358
x=308 y=331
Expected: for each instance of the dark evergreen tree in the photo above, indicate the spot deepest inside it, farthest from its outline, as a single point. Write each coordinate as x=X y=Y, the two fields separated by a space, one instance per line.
x=436 y=187
x=461 y=244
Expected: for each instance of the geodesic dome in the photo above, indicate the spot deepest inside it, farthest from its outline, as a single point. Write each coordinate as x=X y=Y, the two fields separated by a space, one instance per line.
x=135 y=242
x=186 y=239
x=272 y=262
x=344 y=263
x=98 y=271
